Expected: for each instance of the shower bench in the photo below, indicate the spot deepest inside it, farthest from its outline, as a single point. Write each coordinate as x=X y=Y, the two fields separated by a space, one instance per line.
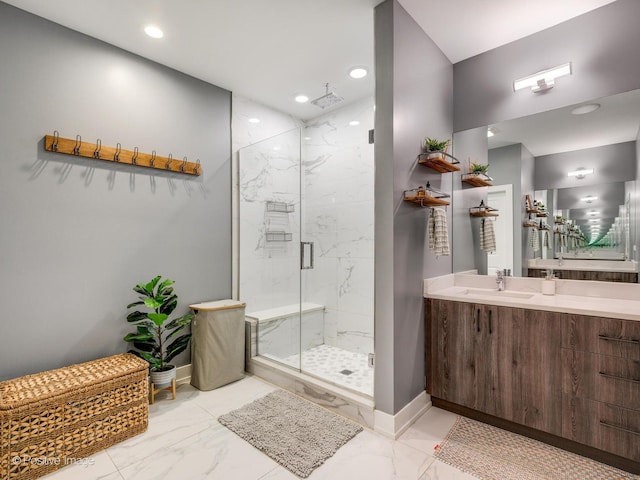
x=56 y=418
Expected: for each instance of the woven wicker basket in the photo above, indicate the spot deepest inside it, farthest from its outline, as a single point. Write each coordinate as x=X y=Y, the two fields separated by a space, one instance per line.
x=52 y=419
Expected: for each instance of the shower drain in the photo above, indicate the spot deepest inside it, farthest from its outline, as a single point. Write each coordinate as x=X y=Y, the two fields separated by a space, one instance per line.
x=346 y=372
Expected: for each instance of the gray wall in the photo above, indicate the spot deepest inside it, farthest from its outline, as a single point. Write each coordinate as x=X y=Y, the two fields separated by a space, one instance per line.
x=413 y=100
x=601 y=44
x=612 y=163
x=77 y=234
x=468 y=145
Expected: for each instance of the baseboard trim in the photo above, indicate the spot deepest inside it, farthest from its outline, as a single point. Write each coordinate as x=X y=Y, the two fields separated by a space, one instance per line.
x=395 y=425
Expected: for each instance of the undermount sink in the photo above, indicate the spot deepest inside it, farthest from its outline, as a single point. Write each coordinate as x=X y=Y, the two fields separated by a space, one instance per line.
x=497 y=293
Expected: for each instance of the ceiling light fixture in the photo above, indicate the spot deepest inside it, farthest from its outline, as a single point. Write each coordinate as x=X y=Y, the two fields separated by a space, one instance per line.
x=593 y=212
x=584 y=109
x=358 y=72
x=594 y=220
x=589 y=198
x=153 y=31
x=301 y=98
x=354 y=123
x=544 y=80
x=580 y=173
x=254 y=120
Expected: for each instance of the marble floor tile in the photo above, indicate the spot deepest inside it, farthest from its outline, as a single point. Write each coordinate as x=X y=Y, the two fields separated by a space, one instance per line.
x=429 y=430
x=441 y=471
x=95 y=467
x=234 y=395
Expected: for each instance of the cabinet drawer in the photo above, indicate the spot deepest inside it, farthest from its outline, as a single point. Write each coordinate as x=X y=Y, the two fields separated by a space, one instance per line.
x=602 y=378
x=601 y=425
x=607 y=336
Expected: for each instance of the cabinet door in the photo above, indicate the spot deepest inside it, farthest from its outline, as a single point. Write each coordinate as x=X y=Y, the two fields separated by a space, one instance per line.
x=537 y=369
x=493 y=359
x=452 y=368
x=607 y=336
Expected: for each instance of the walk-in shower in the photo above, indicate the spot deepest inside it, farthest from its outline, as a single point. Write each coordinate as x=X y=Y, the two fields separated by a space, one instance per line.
x=306 y=246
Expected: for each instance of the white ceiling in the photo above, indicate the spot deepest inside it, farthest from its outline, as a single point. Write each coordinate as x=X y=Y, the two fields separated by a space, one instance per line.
x=270 y=50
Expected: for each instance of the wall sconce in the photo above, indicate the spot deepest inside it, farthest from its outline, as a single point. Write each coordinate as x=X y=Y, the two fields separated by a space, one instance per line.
x=589 y=198
x=544 y=80
x=580 y=173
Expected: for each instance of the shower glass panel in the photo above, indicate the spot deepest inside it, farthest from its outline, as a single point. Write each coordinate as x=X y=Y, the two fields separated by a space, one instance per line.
x=306 y=246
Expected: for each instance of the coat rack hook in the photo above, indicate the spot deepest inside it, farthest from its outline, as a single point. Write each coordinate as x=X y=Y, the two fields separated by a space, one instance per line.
x=184 y=164
x=116 y=156
x=96 y=152
x=153 y=159
x=134 y=158
x=54 y=144
x=167 y=166
x=76 y=147
x=197 y=167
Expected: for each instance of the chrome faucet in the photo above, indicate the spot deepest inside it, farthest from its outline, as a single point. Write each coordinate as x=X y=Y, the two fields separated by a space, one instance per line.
x=500 y=280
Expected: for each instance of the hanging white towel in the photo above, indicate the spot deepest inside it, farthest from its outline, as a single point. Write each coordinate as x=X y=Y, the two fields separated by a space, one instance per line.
x=534 y=239
x=487 y=236
x=438 y=232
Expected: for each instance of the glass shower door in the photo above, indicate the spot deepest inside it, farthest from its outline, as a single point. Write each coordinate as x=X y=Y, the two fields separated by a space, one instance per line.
x=269 y=244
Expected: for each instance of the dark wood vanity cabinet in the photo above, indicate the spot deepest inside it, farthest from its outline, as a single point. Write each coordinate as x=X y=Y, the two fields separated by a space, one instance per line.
x=624 y=277
x=575 y=377
x=501 y=361
x=601 y=383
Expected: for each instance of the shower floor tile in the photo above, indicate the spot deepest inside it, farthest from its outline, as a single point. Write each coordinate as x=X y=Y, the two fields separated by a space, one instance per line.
x=335 y=365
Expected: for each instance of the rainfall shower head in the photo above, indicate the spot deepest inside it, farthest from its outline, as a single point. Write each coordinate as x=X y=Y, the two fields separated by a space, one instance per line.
x=328 y=99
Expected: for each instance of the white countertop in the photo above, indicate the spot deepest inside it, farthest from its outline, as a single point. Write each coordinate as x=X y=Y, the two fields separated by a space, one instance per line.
x=583 y=297
x=593 y=265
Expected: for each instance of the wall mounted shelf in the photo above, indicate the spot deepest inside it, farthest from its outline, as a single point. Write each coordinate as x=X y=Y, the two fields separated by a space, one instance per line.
x=280 y=207
x=476 y=180
x=483 y=210
x=440 y=164
x=278 y=236
x=426 y=197
x=96 y=151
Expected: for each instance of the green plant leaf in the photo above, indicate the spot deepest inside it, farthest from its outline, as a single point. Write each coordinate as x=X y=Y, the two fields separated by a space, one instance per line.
x=153 y=361
x=149 y=287
x=138 y=337
x=141 y=302
x=136 y=317
x=140 y=289
x=152 y=303
x=144 y=347
x=178 y=346
x=178 y=324
x=169 y=305
x=158 y=318
x=163 y=286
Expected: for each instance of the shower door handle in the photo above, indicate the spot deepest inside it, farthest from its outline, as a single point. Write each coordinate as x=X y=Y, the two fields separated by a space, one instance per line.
x=304 y=248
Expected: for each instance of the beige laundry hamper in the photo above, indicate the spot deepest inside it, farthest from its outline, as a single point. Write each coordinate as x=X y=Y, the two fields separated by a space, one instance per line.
x=217 y=343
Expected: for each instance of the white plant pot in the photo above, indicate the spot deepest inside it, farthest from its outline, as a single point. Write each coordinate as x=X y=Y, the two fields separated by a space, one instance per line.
x=438 y=155
x=163 y=378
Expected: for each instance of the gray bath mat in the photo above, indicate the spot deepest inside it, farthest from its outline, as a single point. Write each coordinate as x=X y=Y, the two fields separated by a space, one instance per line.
x=297 y=434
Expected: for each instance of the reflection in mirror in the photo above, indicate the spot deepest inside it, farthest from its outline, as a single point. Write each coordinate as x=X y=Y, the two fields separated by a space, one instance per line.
x=580 y=172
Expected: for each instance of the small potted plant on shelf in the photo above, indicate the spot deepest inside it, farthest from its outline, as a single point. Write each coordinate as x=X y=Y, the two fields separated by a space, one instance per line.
x=435 y=148
x=153 y=333
x=478 y=168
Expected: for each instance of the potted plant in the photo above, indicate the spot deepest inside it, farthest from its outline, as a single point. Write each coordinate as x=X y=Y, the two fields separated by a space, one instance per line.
x=435 y=148
x=478 y=168
x=153 y=333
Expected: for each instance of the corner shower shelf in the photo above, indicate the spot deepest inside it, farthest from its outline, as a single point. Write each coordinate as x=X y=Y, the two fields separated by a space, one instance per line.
x=439 y=164
x=280 y=207
x=476 y=180
x=278 y=237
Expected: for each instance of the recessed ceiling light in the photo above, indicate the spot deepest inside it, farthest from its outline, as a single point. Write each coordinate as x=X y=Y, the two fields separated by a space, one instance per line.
x=358 y=72
x=583 y=109
x=354 y=123
x=301 y=98
x=153 y=31
x=254 y=120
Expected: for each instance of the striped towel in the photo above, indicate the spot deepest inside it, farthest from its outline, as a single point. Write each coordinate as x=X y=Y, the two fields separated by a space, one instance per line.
x=534 y=239
x=487 y=236
x=438 y=232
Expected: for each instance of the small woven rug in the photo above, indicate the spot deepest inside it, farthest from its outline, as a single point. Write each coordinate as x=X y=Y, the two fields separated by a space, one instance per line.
x=490 y=453
x=297 y=434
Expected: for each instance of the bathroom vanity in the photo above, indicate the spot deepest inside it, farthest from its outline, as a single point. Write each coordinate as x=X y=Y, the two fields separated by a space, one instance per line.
x=564 y=369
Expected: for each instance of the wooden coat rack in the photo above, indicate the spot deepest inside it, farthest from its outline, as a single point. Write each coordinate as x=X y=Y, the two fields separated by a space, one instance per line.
x=97 y=151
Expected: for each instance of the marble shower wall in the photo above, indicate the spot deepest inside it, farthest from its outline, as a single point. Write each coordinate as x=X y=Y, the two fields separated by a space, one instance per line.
x=338 y=216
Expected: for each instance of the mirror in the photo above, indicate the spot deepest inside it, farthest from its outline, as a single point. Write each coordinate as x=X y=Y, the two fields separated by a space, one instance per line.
x=589 y=215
